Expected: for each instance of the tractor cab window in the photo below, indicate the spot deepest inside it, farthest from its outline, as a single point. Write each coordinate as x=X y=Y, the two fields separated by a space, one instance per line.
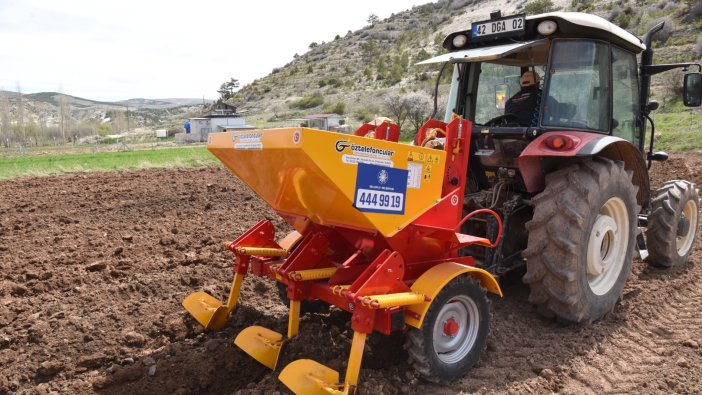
x=625 y=95
x=498 y=87
x=577 y=94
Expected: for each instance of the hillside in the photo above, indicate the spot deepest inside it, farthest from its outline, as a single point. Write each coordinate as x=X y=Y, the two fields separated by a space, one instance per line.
x=50 y=117
x=352 y=73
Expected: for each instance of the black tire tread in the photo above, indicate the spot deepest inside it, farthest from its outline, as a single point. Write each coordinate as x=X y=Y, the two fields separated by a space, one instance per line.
x=556 y=232
x=662 y=228
x=416 y=342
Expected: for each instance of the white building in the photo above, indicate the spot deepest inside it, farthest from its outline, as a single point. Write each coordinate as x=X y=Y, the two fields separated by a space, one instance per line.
x=222 y=118
x=333 y=122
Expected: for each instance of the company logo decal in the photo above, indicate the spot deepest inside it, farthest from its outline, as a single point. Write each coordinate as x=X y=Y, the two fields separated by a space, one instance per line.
x=366 y=150
x=383 y=177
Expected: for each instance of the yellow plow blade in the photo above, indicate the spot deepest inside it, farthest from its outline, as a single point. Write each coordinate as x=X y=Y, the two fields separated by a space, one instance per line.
x=261 y=343
x=307 y=377
x=207 y=310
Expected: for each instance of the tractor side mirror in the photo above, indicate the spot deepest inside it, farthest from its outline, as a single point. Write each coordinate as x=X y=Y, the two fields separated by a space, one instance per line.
x=652 y=106
x=692 y=90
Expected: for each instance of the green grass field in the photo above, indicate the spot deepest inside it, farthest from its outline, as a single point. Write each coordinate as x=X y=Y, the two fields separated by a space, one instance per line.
x=46 y=165
x=680 y=130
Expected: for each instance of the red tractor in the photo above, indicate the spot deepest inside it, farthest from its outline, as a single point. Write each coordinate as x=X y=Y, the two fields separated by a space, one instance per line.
x=560 y=154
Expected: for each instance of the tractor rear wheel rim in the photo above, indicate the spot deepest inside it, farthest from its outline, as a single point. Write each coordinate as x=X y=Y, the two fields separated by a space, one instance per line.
x=607 y=246
x=683 y=243
x=452 y=346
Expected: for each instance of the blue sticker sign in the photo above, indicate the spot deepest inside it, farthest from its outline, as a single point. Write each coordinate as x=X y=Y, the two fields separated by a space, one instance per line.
x=380 y=189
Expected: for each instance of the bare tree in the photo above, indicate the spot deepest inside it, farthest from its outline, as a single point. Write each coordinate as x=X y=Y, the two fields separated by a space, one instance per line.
x=672 y=86
x=396 y=106
x=5 y=120
x=64 y=115
x=372 y=19
x=41 y=125
x=419 y=107
x=19 y=100
x=119 y=121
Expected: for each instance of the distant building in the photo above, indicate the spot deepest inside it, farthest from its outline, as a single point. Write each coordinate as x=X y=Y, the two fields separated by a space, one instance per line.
x=333 y=122
x=221 y=117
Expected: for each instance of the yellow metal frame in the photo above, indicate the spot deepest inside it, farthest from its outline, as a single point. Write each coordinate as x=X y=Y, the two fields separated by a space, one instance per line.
x=435 y=279
x=312 y=274
x=234 y=291
x=290 y=240
x=355 y=356
x=262 y=251
x=393 y=300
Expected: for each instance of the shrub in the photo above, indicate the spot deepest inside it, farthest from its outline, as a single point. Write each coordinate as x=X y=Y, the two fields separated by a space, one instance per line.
x=309 y=101
x=457 y=5
x=364 y=114
x=539 y=7
x=696 y=11
x=698 y=47
x=336 y=108
x=333 y=81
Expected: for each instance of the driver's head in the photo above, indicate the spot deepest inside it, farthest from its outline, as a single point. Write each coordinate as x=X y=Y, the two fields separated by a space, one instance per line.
x=529 y=79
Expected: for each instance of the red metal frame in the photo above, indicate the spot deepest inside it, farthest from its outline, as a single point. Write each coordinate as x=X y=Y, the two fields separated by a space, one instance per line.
x=366 y=262
x=529 y=160
x=385 y=131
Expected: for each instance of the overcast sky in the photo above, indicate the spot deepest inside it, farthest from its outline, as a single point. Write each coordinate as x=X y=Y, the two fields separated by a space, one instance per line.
x=113 y=50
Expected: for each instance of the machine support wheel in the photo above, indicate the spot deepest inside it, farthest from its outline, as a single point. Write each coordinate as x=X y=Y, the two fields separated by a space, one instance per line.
x=672 y=224
x=581 y=240
x=453 y=333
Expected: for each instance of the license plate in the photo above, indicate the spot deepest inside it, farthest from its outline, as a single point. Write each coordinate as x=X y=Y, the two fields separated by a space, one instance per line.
x=513 y=25
x=379 y=201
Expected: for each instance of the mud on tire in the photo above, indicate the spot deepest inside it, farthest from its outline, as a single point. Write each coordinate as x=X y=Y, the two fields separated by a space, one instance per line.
x=672 y=224
x=581 y=240
x=441 y=350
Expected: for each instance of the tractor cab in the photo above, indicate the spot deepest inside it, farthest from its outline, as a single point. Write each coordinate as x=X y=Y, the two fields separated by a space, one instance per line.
x=520 y=77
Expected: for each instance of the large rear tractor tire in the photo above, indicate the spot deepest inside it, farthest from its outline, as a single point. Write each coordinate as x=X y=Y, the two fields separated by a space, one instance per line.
x=453 y=333
x=673 y=224
x=581 y=240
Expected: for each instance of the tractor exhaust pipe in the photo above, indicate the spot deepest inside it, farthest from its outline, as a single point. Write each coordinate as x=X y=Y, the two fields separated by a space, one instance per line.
x=646 y=60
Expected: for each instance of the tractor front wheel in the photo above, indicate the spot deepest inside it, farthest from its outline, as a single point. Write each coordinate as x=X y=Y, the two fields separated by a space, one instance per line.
x=581 y=240
x=673 y=223
x=453 y=333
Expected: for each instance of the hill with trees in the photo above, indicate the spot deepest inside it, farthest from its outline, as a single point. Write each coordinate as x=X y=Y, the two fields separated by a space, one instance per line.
x=367 y=73
x=362 y=74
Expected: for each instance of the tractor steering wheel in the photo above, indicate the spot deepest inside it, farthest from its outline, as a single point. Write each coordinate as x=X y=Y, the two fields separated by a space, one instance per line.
x=507 y=119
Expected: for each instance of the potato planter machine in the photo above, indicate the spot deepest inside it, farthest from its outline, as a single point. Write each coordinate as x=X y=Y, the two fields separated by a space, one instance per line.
x=377 y=234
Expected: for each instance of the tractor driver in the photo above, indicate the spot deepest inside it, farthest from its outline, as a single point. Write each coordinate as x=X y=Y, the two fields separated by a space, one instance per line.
x=524 y=105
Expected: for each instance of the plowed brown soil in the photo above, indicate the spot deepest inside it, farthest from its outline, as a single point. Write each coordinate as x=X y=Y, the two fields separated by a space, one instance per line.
x=93 y=269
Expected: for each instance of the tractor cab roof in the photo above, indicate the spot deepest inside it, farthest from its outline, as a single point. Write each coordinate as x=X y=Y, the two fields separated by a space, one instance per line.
x=472 y=46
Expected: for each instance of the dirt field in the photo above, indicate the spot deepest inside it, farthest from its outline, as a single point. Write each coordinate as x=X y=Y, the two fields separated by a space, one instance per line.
x=93 y=269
